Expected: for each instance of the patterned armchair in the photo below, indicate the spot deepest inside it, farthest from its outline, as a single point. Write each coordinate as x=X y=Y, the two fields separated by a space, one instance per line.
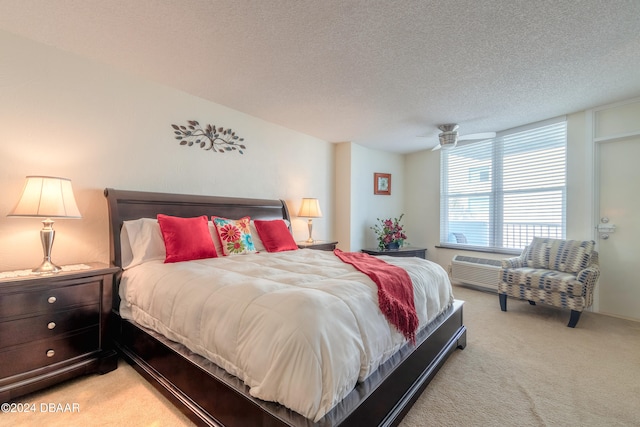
x=561 y=273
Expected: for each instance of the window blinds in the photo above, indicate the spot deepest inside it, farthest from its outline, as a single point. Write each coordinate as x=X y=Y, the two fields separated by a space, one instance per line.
x=502 y=192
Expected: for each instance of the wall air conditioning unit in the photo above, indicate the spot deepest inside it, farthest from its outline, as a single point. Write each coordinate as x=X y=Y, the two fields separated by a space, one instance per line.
x=476 y=271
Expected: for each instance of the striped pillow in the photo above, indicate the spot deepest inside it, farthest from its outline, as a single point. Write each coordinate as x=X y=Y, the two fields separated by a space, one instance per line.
x=537 y=255
x=568 y=256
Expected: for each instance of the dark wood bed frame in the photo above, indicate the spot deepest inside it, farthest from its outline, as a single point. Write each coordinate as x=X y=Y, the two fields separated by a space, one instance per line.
x=210 y=396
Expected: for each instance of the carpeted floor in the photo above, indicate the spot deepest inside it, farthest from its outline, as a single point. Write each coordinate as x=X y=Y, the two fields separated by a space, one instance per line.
x=520 y=368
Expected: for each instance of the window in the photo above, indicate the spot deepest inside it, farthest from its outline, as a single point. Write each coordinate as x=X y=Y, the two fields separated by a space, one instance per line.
x=500 y=193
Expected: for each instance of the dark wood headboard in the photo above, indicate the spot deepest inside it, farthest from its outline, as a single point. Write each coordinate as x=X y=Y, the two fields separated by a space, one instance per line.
x=126 y=205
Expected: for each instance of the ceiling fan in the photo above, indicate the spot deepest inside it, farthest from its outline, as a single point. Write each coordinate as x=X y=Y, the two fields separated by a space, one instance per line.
x=449 y=137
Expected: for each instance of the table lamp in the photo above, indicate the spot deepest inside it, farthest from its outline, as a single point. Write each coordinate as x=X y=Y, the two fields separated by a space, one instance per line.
x=47 y=197
x=310 y=208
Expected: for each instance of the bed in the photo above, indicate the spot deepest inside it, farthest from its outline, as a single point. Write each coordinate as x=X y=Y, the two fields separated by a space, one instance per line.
x=210 y=395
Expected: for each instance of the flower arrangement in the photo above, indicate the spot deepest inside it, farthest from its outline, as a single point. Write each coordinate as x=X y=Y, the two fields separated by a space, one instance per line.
x=389 y=233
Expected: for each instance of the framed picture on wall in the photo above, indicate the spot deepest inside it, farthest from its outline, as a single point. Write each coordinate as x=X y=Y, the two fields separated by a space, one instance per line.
x=382 y=183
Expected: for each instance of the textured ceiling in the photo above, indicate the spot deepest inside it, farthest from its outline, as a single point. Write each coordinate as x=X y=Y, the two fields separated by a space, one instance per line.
x=378 y=73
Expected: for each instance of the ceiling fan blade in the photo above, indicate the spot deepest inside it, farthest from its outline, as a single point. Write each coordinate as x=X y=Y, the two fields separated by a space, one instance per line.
x=446 y=147
x=449 y=137
x=467 y=142
x=482 y=135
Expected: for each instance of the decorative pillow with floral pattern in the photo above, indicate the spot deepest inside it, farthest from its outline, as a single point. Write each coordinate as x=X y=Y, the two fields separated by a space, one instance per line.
x=235 y=235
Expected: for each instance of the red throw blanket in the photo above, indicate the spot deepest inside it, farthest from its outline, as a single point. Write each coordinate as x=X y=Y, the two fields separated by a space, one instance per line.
x=395 y=290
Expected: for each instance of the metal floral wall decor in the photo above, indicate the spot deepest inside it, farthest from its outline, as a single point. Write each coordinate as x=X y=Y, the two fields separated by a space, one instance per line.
x=217 y=139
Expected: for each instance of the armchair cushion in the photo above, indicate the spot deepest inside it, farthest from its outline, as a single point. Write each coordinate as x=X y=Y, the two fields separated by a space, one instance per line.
x=549 y=280
x=568 y=256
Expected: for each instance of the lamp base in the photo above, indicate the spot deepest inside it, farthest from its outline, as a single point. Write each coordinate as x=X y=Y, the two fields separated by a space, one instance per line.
x=47 y=234
x=310 y=225
x=47 y=267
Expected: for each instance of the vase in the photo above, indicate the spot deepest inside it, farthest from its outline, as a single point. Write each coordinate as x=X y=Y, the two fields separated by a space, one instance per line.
x=393 y=246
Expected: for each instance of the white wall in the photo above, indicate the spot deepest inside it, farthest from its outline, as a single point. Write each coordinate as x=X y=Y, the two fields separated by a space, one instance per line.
x=422 y=191
x=579 y=179
x=343 y=196
x=64 y=115
x=357 y=167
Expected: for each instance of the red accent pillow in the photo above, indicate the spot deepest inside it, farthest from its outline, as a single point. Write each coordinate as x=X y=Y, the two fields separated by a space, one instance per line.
x=186 y=238
x=275 y=235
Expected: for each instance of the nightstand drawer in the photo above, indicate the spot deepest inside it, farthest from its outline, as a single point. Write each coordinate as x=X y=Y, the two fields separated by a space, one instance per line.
x=53 y=299
x=30 y=329
x=27 y=357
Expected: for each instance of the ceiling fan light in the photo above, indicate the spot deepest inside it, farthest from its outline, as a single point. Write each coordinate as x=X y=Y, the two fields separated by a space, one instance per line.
x=448 y=138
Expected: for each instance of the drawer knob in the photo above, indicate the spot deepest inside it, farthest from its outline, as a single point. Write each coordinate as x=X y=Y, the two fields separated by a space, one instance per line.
x=50 y=353
x=51 y=300
x=51 y=325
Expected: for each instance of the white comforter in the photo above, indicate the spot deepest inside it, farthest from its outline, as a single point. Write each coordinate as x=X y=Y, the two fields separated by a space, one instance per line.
x=299 y=328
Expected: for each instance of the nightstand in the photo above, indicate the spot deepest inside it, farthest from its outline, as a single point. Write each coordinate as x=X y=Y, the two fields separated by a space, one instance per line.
x=323 y=245
x=54 y=327
x=405 y=251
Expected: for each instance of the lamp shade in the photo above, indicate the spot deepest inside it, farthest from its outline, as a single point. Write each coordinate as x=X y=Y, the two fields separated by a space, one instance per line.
x=47 y=197
x=310 y=208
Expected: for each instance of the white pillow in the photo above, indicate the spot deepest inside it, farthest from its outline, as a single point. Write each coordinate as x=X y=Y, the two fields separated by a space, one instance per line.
x=257 y=242
x=126 y=256
x=141 y=241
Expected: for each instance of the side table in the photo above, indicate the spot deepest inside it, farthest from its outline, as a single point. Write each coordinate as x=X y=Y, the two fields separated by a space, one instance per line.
x=323 y=245
x=54 y=327
x=405 y=251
